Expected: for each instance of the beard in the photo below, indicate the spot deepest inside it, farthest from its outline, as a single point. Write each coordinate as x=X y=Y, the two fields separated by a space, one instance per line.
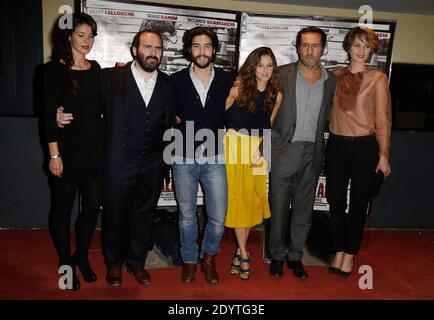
x=148 y=64
x=310 y=62
x=204 y=64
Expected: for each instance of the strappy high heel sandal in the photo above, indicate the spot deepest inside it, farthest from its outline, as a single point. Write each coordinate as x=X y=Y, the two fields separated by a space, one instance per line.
x=235 y=268
x=245 y=273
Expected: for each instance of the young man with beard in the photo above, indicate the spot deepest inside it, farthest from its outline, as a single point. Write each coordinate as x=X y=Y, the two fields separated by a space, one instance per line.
x=200 y=93
x=138 y=103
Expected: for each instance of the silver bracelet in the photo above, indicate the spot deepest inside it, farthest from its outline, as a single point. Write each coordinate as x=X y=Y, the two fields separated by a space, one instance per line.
x=55 y=156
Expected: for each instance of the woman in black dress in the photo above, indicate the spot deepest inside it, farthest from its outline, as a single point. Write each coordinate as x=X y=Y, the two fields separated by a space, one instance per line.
x=73 y=83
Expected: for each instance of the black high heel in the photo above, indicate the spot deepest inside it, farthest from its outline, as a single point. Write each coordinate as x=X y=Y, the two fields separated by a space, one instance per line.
x=75 y=282
x=86 y=271
x=332 y=269
x=245 y=273
x=345 y=274
x=235 y=268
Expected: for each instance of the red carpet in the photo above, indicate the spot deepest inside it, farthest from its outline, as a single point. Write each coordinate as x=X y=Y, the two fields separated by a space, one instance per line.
x=402 y=264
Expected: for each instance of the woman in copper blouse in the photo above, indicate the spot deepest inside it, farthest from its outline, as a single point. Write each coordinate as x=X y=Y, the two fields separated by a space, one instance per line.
x=358 y=146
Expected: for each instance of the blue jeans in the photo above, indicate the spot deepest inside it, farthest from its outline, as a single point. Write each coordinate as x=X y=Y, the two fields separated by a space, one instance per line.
x=212 y=177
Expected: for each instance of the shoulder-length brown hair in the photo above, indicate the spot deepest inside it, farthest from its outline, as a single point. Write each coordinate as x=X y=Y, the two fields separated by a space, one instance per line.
x=246 y=81
x=365 y=34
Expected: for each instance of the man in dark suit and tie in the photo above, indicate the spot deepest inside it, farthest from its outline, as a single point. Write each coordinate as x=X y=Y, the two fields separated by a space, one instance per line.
x=138 y=104
x=297 y=149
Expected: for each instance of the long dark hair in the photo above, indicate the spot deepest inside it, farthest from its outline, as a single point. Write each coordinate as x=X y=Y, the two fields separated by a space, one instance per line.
x=60 y=39
x=246 y=80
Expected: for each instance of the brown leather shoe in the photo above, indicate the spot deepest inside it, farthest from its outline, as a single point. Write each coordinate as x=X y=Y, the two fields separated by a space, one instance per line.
x=114 y=276
x=188 y=272
x=208 y=268
x=140 y=274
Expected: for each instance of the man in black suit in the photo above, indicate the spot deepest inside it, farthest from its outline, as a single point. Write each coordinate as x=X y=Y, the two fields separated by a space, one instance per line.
x=138 y=103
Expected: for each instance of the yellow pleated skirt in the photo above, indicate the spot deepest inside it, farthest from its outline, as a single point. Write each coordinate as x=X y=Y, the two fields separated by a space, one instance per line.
x=247 y=194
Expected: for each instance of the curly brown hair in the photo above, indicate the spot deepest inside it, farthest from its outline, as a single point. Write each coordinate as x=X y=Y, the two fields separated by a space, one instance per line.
x=246 y=81
x=366 y=34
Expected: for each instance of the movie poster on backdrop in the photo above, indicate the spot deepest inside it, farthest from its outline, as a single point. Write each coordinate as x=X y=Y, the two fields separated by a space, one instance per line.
x=280 y=32
x=119 y=21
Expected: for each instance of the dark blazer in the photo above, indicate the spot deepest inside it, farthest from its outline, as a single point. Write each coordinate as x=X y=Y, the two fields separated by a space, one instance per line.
x=284 y=127
x=115 y=81
x=188 y=105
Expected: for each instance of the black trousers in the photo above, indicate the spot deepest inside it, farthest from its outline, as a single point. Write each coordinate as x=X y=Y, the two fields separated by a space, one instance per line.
x=64 y=196
x=355 y=159
x=130 y=203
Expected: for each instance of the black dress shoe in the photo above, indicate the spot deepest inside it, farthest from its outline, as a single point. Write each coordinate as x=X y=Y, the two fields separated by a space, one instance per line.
x=139 y=273
x=114 y=276
x=297 y=269
x=276 y=268
x=86 y=271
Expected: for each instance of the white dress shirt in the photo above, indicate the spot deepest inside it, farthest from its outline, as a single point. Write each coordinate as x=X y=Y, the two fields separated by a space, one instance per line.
x=201 y=89
x=146 y=87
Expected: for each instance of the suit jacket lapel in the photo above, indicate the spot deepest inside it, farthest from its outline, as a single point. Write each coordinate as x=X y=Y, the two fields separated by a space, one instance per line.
x=162 y=83
x=325 y=96
x=126 y=81
x=292 y=86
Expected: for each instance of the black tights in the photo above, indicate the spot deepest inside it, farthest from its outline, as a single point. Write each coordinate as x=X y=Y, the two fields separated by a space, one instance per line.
x=86 y=221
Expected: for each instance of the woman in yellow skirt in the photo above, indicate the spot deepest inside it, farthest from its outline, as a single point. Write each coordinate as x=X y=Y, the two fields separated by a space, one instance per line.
x=251 y=108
